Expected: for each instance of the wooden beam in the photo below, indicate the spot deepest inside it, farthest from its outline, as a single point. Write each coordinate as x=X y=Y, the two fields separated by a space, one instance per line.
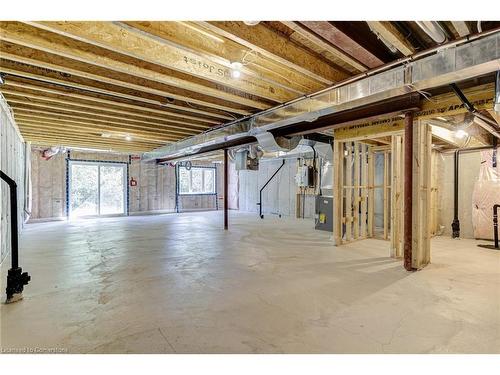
x=461 y=28
x=356 y=190
x=144 y=82
x=348 y=191
x=386 y=192
x=185 y=128
x=135 y=43
x=343 y=42
x=84 y=134
x=74 y=145
x=66 y=141
x=200 y=122
x=34 y=73
x=371 y=193
x=338 y=182
x=206 y=44
x=63 y=119
x=389 y=32
x=330 y=48
x=50 y=115
x=67 y=127
x=278 y=47
x=94 y=115
x=364 y=190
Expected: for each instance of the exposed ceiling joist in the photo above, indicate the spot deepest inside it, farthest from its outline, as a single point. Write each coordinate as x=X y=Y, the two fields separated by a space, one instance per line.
x=71 y=130
x=345 y=43
x=389 y=33
x=153 y=120
x=135 y=43
x=105 y=80
x=275 y=46
x=62 y=121
x=97 y=115
x=170 y=116
x=25 y=41
x=34 y=74
x=332 y=49
x=224 y=51
x=69 y=126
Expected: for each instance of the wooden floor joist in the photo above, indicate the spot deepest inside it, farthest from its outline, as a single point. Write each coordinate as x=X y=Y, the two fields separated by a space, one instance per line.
x=91 y=102
x=46 y=102
x=38 y=75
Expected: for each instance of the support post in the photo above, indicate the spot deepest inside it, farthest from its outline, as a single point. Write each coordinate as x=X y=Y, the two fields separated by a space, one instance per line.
x=408 y=190
x=16 y=278
x=226 y=184
x=455 y=225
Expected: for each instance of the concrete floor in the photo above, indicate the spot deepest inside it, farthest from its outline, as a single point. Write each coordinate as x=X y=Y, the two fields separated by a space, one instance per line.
x=180 y=284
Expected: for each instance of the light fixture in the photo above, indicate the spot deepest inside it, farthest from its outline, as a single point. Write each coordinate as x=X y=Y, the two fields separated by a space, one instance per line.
x=128 y=138
x=251 y=23
x=461 y=134
x=2 y=78
x=235 y=73
x=106 y=135
x=236 y=67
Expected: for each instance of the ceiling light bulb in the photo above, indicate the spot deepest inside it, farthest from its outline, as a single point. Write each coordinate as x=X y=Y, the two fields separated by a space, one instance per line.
x=236 y=65
x=461 y=134
x=128 y=138
x=251 y=23
x=235 y=73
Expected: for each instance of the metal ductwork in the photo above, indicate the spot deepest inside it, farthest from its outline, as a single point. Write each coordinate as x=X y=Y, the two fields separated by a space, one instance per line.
x=433 y=30
x=455 y=61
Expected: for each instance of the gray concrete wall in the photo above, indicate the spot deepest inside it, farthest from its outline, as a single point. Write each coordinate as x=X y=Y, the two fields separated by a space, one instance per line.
x=154 y=193
x=12 y=149
x=279 y=197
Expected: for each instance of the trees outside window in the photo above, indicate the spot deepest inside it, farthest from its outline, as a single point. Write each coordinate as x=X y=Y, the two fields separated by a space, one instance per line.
x=196 y=180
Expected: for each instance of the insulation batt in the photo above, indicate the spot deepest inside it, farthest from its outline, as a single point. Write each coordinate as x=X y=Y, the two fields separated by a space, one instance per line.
x=485 y=194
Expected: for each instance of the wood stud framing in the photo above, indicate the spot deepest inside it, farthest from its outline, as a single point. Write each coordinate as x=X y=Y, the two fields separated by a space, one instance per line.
x=355 y=186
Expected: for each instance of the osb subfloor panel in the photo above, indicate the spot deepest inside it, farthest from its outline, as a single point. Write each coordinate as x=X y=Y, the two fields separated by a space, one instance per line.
x=180 y=284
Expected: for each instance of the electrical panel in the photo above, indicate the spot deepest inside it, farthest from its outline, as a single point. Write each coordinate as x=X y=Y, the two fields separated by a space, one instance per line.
x=305 y=176
x=324 y=213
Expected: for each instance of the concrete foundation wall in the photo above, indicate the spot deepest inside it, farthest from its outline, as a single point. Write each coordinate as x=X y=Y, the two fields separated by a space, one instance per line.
x=279 y=197
x=12 y=163
x=154 y=193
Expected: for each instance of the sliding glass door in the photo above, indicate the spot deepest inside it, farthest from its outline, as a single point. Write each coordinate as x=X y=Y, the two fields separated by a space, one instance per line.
x=96 y=188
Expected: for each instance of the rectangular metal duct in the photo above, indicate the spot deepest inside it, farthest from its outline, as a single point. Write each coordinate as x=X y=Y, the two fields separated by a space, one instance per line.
x=459 y=60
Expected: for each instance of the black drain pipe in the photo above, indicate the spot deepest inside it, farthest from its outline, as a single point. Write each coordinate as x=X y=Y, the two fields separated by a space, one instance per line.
x=263 y=187
x=496 y=246
x=455 y=225
x=16 y=278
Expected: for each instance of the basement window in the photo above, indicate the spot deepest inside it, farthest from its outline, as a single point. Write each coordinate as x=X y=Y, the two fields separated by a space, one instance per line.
x=197 y=180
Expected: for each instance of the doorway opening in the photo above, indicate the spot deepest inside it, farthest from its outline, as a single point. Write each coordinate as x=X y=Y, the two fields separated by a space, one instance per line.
x=96 y=189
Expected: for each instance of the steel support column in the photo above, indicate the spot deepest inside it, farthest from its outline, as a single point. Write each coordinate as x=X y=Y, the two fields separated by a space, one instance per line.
x=226 y=184
x=408 y=190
